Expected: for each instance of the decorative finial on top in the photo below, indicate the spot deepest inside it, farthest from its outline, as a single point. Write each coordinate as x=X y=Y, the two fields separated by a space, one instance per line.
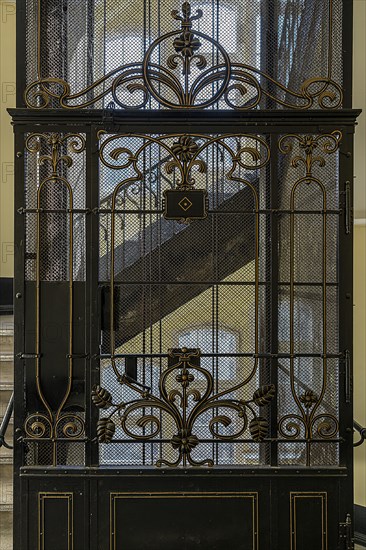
x=187 y=18
x=187 y=44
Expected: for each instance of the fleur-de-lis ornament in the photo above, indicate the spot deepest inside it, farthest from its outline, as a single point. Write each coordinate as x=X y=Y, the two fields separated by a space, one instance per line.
x=187 y=44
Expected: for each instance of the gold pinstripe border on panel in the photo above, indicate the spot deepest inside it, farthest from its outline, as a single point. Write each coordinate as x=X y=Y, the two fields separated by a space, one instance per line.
x=114 y=497
x=294 y=497
x=42 y=498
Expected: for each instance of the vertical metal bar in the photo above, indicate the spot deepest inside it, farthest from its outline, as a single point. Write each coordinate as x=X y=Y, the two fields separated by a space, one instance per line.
x=215 y=10
x=151 y=196
x=345 y=313
x=19 y=332
x=103 y=105
x=345 y=293
x=159 y=51
x=90 y=47
x=150 y=36
x=145 y=47
x=348 y=207
x=93 y=331
x=269 y=47
x=146 y=287
x=347 y=374
x=21 y=52
x=159 y=192
x=272 y=289
x=64 y=39
x=347 y=49
x=216 y=252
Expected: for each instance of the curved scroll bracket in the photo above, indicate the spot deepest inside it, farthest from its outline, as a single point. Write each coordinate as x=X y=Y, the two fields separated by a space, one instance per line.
x=362 y=433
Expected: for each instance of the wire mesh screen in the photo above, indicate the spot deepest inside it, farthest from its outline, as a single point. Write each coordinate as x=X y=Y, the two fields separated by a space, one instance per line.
x=99 y=53
x=42 y=453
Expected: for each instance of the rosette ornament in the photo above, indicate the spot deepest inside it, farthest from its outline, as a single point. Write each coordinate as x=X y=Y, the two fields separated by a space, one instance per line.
x=184 y=378
x=184 y=441
x=308 y=399
x=185 y=148
x=186 y=44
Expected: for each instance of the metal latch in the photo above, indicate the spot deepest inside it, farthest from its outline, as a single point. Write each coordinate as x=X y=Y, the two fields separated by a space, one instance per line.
x=348 y=208
x=345 y=534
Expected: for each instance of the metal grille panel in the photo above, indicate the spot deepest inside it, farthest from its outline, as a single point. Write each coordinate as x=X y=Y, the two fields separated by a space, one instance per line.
x=54 y=209
x=187 y=285
x=308 y=299
x=203 y=284
x=97 y=49
x=198 y=285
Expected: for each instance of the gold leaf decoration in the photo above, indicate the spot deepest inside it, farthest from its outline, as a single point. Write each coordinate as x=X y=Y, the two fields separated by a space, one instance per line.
x=264 y=395
x=105 y=430
x=101 y=397
x=258 y=428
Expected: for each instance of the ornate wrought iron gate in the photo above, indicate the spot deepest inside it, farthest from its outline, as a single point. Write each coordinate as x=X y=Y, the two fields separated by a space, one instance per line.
x=184 y=233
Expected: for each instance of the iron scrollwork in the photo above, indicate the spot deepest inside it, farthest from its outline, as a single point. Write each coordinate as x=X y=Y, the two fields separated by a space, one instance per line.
x=186 y=403
x=198 y=85
x=183 y=158
x=184 y=406
x=309 y=422
x=54 y=425
x=328 y=143
x=75 y=144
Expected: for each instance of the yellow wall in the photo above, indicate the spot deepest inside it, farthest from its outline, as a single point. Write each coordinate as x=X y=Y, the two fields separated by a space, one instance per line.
x=198 y=312
x=360 y=357
x=359 y=101
x=7 y=84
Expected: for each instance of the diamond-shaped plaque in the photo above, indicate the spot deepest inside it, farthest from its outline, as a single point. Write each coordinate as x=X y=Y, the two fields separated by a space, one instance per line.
x=185 y=205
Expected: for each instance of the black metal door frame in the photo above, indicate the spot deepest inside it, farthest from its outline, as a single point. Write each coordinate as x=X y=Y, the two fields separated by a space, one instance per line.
x=77 y=507
x=87 y=482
